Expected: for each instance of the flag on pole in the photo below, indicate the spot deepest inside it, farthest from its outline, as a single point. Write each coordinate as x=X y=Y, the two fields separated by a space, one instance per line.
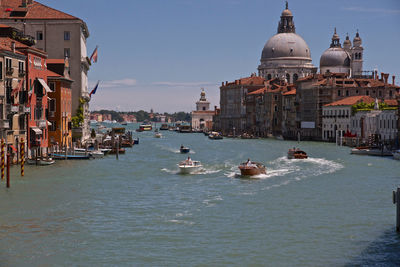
x=94 y=89
x=30 y=94
x=94 y=55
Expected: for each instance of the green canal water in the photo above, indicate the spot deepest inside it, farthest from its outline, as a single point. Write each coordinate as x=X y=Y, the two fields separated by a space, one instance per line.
x=333 y=209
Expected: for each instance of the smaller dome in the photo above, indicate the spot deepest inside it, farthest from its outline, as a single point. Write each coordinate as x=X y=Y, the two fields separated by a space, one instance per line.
x=347 y=41
x=334 y=57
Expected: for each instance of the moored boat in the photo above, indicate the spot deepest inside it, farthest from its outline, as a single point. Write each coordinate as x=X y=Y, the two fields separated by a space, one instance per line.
x=215 y=136
x=295 y=153
x=145 y=127
x=69 y=157
x=371 y=151
x=189 y=166
x=40 y=161
x=250 y=168
x=396 y=154
x=164 y=127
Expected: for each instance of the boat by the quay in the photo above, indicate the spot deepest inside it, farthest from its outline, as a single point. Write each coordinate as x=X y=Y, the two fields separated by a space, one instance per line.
x=396 y=154
x=40 y=161
x=93 y=153
x=251 y=168
x=59 y=156
x=215 y=136
x=185 y=129
x=296 y=153
x=164 y=127
x=371 y=151
x=189 y=166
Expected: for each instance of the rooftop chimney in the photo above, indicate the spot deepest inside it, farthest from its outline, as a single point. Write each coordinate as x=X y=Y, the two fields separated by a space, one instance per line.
x=23 y=3
x=13 y=46
x=393 y=79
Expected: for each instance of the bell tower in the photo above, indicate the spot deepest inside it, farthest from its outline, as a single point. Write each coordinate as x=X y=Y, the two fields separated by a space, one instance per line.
x=202 y=104
x=357 y=57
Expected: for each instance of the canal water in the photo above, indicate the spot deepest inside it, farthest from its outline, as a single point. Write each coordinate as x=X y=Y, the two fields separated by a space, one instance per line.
x=333 y=209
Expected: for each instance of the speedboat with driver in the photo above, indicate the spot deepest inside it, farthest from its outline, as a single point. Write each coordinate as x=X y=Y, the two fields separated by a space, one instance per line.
x=189 y=166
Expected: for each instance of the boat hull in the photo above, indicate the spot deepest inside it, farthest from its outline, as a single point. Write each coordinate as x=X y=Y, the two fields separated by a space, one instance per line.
x=184 y=150
x=189 y=169
x=252 y=170
x=371 y=152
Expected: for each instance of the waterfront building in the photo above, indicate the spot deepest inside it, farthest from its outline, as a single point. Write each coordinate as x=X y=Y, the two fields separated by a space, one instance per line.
x=286 y=55
x=60 y=107
x=379 y=124
x=36 y=77
x=232 y=118
x=202 y=117
x=60 y=35
x=315 y=91
x=13 y=92
x=289 y=111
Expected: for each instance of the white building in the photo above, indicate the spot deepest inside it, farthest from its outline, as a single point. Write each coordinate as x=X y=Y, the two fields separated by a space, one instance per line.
x=60 y=35
x=202 y=117
x=382 y=123
x=286 y=54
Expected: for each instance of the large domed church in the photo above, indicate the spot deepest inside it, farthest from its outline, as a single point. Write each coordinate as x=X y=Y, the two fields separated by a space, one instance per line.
x=286 y=55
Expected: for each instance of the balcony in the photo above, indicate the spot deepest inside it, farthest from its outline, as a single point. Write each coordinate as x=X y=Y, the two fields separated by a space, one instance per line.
x=21 y=73
x=9 y=71
x=4 y=124
x=42 y=123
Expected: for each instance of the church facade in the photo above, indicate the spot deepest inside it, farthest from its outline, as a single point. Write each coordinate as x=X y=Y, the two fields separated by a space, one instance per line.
x=202 y=117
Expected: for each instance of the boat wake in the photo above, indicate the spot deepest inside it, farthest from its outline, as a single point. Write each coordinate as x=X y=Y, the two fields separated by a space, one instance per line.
x=293 y=170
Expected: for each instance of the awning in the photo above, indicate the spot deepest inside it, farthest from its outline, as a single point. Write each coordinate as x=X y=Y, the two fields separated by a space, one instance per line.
x=36 y=130
x=49 y=123
x=44 y=84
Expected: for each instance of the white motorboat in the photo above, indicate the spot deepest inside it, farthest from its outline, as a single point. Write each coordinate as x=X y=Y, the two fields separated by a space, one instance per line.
x=40 y=161
x=93 y=153
x=371 y=151
x=157 y=135
x=189 y=166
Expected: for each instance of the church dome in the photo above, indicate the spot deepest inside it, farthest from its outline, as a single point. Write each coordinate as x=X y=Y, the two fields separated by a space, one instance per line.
x=334 y=57
x=287 y=13
x=286 y=45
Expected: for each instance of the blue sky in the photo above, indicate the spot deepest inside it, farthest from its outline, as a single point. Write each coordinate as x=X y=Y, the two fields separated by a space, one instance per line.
x=158 y=54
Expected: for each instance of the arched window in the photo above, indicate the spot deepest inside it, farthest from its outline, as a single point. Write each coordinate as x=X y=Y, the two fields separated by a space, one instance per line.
x=295 y=77
x=359 y=55
x=269 y=77
x=356 y=56
x=288 y=77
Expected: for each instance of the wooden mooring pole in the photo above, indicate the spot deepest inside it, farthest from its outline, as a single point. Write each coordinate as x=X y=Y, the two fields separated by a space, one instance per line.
x=3 y=157
x=8 y=169
x=396 y=200
x=22 y=150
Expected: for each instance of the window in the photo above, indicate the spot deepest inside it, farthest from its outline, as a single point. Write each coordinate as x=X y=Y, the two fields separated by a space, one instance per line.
x=367 y=92
x=276 y=97
x=8 y=64
x=53 y=126
x=8 y=90
x=21 y=67
x=295 y=77
x=1 y=70
x=52 y=105
x=52 y=86
x=269 y=77
x=67 y=36
x=39 y=35
x=357 y=92
x=347 y=92
x=288 y=77
x=276 y=108
x=67 y=52
x=390 y=93
x=21 y=122
x=338 y=92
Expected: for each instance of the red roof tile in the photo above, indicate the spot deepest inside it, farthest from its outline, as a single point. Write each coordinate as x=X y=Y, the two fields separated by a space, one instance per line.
x=5 y=44
x=35 y=10
x=291 y=92
x=49 y=73
x=259 y=91
x=351 y=100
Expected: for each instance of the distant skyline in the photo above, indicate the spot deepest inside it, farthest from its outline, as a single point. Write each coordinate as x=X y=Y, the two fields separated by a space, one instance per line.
x=159 y=54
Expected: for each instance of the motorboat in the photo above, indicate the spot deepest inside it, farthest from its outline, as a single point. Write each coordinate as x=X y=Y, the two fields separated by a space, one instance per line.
x=93 y=153
x=295 y=153
x=251 y=168
x=184 y=149
x=136 y=141
x=60 y=156
x=189 y=166
x=164 y=127
x=215 y=136
x=40 y=161
x=157 y=135
x=124 y=123
x=185 y=129
x=145 y=127
x=371 y=151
